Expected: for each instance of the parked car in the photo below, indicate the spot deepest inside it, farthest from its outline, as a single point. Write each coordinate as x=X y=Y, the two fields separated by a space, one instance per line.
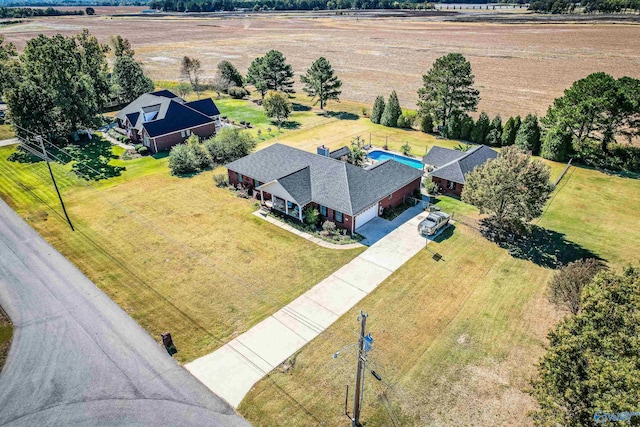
x=433 y=222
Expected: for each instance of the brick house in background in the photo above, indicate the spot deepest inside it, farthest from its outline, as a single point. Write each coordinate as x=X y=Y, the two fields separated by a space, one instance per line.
x=288 y=180
x=160 y=120
x=448 y=168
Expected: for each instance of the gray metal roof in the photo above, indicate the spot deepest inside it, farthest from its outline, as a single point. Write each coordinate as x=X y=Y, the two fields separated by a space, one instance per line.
x=439 y=156
x=457 y=169
x=332 y=183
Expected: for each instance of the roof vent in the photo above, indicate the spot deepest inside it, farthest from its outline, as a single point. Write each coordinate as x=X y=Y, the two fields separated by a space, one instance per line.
x=323 y=151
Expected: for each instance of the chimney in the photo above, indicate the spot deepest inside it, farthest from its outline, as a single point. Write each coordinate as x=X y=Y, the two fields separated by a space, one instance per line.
x=323 y=151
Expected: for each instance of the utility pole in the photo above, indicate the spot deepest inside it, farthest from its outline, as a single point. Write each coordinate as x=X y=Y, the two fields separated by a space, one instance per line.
x=46 y=158
x=362 y=362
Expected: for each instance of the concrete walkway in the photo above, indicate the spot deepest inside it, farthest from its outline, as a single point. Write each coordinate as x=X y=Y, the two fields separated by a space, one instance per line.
x=234 y=368
x=260 y=214
x=10 y=141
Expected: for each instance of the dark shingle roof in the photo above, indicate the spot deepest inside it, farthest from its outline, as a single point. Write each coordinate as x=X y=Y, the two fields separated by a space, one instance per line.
x=439 y=156
x=204 y=106
x=335 y=184
x=133 y=118
x=163 y=98
x=340 y=152
x=457 y=169
x=176 y=118
x=164 y=93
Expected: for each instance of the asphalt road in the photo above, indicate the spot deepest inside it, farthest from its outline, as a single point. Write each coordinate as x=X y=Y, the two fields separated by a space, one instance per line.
x=79 y=359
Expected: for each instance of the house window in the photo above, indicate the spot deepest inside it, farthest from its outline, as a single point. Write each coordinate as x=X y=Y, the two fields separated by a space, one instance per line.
x=240 y=177
x=256 y=183
x=338 y=216
x=451 y=185
x=182 y=134
x=289 y=205
x=323 y=210
x=188 y=132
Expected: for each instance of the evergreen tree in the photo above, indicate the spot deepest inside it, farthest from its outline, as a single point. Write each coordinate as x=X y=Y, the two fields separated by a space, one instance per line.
x=510 y=130
x=391 y=111
x=481 y=129
x=556 y=145
x=256 y=75
x=130 y=79
x=230 y=73
x=466 y=127
x=494 y=138
x=377 y=110
x=321 y=82
x=121 y=46
x=426 y=123
x=278 y=74
x=528 y=136
x=448 y=88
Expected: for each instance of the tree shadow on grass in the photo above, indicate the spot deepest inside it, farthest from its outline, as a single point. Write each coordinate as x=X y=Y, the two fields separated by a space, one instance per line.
x=342 y=115
x=546 y=248
x=160 y=155
x=91 y=159
x=289 y=125
x=300 y=107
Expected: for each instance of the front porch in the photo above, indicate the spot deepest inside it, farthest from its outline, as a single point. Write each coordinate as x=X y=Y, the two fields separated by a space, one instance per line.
x=282 y=205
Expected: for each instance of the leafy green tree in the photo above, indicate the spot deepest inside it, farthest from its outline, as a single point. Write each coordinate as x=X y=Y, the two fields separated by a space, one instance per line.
x=528 y=136
x=182 y=160
x=201 y=156
x=377 y=110
x=276 y=105
x=229 y=144
x=598 y=108
x=556 y=145
x=130 y=79
x=230 y=73
x=512 y=189
x=278 y=74
x=391 y=111
x=592 y=364
x=494 y=138
x=426 y=123
x=510 y=131
x=190 y=69
x=321 y=82
x=256 y=75
x=9 y=70
x=32 y=109
x=183 y=89
x=121 y=46
x=481 y=129
x=568 y=282
x=448 y=88
x=94 y=64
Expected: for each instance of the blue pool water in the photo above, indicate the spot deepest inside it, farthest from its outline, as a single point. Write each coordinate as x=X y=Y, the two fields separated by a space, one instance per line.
x=383 y=155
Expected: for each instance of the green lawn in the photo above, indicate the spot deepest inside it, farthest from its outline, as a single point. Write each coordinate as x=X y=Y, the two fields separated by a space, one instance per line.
x=6 y=132
x=177 y=254
x=456 y=340
x=6 y=332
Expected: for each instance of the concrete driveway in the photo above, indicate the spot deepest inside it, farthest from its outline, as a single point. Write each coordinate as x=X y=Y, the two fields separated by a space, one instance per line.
x=377 y=228
x=233 y=369
x=77 y=358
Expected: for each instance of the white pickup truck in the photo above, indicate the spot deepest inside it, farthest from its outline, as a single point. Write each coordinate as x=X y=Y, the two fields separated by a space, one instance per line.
x=433 y=222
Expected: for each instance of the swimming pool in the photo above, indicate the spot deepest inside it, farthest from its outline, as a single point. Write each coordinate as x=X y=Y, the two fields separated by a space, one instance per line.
x=384 y=155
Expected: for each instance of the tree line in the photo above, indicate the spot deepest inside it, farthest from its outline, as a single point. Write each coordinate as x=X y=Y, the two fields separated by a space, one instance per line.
x=595 y=121
x=61 y=84
x=588 y=6
x=27 y=12
x=230 y=5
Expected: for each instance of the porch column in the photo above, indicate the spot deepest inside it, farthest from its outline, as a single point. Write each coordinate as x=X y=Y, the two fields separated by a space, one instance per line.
x=300 y=213
x=262 y=196
x=286 y=206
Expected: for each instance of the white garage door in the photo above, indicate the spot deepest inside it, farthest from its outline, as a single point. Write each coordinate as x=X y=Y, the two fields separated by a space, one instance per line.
x=366 y=216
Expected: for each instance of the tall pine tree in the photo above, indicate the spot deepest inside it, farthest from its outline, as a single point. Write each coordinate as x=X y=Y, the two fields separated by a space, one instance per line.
x=377 y=110
x=528 y=136
x=391 y=111
x=321 y=83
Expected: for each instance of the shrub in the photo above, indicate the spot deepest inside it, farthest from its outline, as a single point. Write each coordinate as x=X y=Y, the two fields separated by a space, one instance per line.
x=567 y=284
x=406 y=149
x=220 y=180
x=229 y=144
x=431 y=187
x=402 y=123
x=138 y=147
x=426 y=123
x=200 y=153
x=329 y=226
x=311 y=215
x=182 y=160
x=143 y=151
x=364 y=111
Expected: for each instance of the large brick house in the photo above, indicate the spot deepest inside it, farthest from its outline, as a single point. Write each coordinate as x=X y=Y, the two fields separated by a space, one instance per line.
x=160 y=120
x=448 y=168
x=288 y=180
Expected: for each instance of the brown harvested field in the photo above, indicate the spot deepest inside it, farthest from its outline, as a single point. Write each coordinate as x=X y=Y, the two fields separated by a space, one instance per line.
x=519 y=68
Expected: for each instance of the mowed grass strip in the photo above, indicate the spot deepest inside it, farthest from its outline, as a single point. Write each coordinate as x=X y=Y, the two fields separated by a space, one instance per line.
x=178 y=254
x=6 y=333
x=6 y=132
x=457 y=340
x=439 y=328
